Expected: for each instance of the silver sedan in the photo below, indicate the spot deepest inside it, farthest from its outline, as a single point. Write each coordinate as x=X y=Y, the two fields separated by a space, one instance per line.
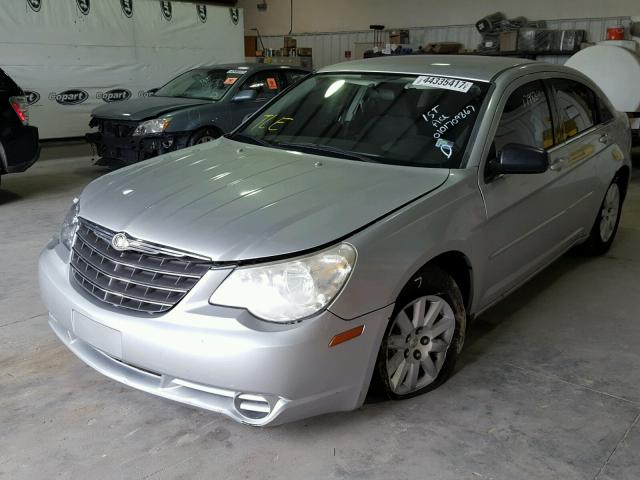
x=343 y=236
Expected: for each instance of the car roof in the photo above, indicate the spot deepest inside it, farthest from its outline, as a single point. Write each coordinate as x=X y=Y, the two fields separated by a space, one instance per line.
x=473 y=67
x=247 y=66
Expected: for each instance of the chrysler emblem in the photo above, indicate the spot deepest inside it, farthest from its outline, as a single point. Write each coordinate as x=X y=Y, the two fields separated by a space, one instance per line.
x=120 y=242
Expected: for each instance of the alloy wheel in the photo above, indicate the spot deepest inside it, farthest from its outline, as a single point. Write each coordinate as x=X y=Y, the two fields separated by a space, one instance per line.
x=417 y=344
x=610 y=212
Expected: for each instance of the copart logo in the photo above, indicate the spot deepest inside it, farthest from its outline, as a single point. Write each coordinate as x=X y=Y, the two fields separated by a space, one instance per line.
x=84 y=6
x=115 y=95
x=127 y=7
x=235 y=15
x=69 y=97
x=31 y=97
x=167 y=10
x=35 y=5
x=202 y=12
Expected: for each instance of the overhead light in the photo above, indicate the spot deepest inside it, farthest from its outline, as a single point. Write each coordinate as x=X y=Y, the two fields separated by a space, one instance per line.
x=441 y=64
x=333 y=88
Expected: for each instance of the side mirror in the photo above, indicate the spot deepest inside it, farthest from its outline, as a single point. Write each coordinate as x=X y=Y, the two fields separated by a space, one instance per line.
x=152 y=91
x=245 y=95
x=518 y=158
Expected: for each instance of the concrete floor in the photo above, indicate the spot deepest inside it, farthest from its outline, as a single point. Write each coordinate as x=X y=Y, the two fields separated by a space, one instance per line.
x=547 y=388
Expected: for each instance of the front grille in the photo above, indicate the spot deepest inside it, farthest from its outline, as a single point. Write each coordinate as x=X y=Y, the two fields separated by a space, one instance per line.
x=136 y=280
x=116 y=128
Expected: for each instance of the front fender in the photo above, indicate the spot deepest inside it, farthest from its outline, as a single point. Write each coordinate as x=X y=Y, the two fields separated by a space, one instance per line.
x=392 y=250
x=194 y=118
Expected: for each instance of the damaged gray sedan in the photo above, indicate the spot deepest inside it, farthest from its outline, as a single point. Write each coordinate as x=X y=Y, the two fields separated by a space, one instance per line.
x=345 y=234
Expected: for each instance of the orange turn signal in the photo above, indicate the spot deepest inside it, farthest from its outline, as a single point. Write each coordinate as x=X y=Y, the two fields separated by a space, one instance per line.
x=346 y=336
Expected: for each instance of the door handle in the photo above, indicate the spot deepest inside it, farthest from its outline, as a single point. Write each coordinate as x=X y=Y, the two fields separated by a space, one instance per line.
x=557 y=164
x=604 y=138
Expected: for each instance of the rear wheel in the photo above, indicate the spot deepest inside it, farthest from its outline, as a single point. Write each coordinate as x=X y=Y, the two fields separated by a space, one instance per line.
x=606 y=225
x=424 y=336
x=204 y=136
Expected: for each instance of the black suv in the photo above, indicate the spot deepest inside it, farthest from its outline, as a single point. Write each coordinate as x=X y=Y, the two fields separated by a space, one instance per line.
x=19 y=146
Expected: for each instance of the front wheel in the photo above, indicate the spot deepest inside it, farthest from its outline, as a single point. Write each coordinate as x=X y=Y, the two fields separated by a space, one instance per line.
x=606 y=225
x=424 y=336
x=203 y=136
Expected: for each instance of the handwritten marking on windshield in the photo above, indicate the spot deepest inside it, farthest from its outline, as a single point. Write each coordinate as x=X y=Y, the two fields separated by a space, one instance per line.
x=446 y=147
x=461 y=115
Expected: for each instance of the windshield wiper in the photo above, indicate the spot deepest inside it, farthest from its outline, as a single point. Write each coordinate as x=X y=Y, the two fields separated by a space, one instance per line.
x=315 y=148
x=241 y=137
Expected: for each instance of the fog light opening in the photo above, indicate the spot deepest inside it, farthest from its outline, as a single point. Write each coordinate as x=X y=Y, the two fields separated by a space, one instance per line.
x=167 y=143
x=251 y=406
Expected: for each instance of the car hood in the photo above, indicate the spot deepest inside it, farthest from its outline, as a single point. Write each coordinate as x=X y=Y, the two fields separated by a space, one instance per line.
x=231 y=201
x=144 y=108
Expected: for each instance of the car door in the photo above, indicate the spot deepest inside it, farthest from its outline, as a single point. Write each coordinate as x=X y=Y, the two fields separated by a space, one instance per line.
x=266 y=83
x=585 y=139
x=526 y=225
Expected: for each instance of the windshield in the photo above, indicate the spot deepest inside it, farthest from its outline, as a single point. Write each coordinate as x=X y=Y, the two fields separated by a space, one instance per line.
x=201 y=84
x=412 y=120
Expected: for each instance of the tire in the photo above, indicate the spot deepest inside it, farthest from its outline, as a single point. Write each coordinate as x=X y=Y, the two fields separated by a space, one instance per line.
x=429 y=360
x=203 y=136
x=606 y=224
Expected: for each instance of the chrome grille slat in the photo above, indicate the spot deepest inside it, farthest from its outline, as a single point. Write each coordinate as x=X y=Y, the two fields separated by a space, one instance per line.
x=76 y=263
x=141 y=281
x=163 y=283
x=120 y=294
x=127 y=261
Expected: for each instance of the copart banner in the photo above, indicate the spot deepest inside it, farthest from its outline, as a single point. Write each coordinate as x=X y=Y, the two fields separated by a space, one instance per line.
x=71 y=56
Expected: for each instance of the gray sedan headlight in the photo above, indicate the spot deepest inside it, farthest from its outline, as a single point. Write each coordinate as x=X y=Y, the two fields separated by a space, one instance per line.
x=70 y=225
x=157 y=125
x=291 y=290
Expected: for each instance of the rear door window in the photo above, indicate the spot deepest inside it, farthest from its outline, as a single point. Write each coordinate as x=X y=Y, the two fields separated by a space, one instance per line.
x=604 y=113
x=577 y=107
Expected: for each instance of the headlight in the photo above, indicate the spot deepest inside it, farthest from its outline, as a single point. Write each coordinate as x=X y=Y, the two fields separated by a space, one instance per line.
x=157 y=125
x=70 y=225
x=288 y=291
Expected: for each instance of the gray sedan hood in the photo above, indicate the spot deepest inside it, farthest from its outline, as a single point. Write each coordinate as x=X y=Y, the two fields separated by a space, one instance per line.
x=232 y=201
x=144 y=108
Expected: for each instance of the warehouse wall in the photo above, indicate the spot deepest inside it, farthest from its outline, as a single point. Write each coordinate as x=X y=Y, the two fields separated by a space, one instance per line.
x=347 y=15
x=329 y=48
x=71 y=60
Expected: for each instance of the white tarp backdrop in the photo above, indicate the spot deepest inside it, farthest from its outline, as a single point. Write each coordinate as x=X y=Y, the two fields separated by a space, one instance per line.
x=73 y=55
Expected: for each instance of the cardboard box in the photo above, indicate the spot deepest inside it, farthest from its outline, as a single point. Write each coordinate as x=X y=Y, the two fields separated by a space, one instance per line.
x=399 y=37
x=446 y=47
x=304 y=52
x=508 y=41
x=289 y=42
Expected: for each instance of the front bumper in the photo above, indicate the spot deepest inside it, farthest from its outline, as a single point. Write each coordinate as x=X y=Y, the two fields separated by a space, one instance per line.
x=121 y=151
x=220 y=359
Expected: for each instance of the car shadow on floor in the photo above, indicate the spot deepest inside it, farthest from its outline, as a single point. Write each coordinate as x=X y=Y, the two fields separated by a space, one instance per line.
x=7 y=196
